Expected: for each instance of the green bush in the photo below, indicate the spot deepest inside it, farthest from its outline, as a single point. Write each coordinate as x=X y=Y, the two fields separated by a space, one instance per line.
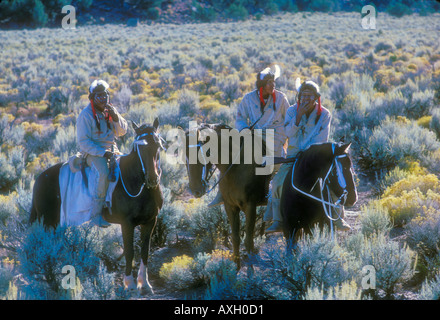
x=45 y=252
x=424 y=237
x=434 y=125
x=398 y=9
x=374 y=220
x=430 y=289
x=394 y=140
x=12 y=167
x=391 y=261
x=39 y=16
x=317 y=262
x=237 y=11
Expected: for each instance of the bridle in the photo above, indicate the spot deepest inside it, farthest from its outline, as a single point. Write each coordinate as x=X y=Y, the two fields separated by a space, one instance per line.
x=139 y=141
x=206 y=173
x=324 y=188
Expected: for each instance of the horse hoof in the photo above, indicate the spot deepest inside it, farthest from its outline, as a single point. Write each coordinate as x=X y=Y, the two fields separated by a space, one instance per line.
x=129 y=283
x=145 y=290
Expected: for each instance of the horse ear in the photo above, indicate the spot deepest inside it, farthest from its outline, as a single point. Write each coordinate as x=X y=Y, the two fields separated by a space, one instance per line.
x=343 y=148
x=134 y=125
x=156 y=123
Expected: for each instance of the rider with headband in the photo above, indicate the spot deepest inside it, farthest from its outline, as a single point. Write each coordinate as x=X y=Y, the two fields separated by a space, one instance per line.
x=263 y=108
x=97 y=127
x=307 y=122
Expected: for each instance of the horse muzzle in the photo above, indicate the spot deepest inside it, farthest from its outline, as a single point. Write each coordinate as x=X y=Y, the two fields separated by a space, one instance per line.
x=152 y=181
x=198 y=191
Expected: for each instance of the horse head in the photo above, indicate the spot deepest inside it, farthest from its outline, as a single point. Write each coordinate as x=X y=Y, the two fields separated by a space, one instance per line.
x=198 y=172
x=148 y=144
x=341 y=175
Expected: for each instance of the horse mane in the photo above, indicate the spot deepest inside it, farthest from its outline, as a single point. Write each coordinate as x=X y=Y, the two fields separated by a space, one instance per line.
x=311 y=161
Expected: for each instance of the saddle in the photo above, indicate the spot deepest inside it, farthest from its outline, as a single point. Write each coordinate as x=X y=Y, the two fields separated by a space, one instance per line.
x=78 y=162
x=77 y=183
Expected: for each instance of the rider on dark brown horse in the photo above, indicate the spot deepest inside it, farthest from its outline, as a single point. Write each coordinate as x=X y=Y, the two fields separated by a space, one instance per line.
x=265 y=108
x=307 y=122
x=97 y=127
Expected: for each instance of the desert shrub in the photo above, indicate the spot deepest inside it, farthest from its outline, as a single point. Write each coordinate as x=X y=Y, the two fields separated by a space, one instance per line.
x=65 y=144
x=424 y=237
x=369 y=65
x=317 y=262
x=346 y=291
x=237 y=11
x=421 y=104
x=188 y=102
x=394 y=140
x=430 y=289
x=45 y=252
x=405 y=169
x=10 y=134
x=58 y=98
x=169 y=221
x=230 y=88
x=408 y=197
x=203 y=12
x=374 y=220
x=14 y=215
x=178 y=273
x=122 y=98
x=391 y=261
x=5 y=279
x=12 y=167
x=435 y=122
x=209 y=226
x=100 y=287
x=38 y=138
x=404 y=207
x=168 y=113
x=398 y=9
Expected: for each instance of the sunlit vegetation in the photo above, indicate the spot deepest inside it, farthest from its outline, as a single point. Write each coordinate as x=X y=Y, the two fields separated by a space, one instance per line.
x=382 y=87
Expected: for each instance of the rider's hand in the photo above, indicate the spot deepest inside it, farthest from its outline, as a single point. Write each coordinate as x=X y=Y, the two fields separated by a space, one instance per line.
x=304 y=108
x=108 y=155
x=112 y=111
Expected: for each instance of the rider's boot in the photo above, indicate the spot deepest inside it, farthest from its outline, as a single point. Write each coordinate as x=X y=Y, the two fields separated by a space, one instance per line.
x=268 y=215
x=277 y=225
x=96 y=215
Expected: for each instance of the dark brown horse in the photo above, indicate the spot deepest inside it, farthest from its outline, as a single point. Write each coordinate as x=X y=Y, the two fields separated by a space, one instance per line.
x=322 y=181
x=241 y=188
x=136 y=200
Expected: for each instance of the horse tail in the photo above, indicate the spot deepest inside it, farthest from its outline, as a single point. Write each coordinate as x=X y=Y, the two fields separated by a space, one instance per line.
x=34 y=214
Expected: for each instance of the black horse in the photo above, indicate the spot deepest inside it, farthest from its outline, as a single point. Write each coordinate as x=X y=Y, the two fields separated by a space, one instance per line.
x=136 y=200
x=242 y=189
x=322 y=180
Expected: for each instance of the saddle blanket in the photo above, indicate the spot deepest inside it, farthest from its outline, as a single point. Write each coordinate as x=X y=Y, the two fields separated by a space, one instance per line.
x=76 y=198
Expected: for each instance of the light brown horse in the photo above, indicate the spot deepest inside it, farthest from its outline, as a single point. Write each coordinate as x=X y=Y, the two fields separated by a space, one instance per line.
x=241 y=188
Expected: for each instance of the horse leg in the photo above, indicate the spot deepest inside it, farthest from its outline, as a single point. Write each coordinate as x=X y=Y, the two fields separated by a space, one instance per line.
x=233 y=213
x=127 y=237
x=251 y=216
x=142 y=279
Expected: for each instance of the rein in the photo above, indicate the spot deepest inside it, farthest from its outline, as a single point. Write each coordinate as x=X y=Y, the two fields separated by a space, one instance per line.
x=324 y=185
